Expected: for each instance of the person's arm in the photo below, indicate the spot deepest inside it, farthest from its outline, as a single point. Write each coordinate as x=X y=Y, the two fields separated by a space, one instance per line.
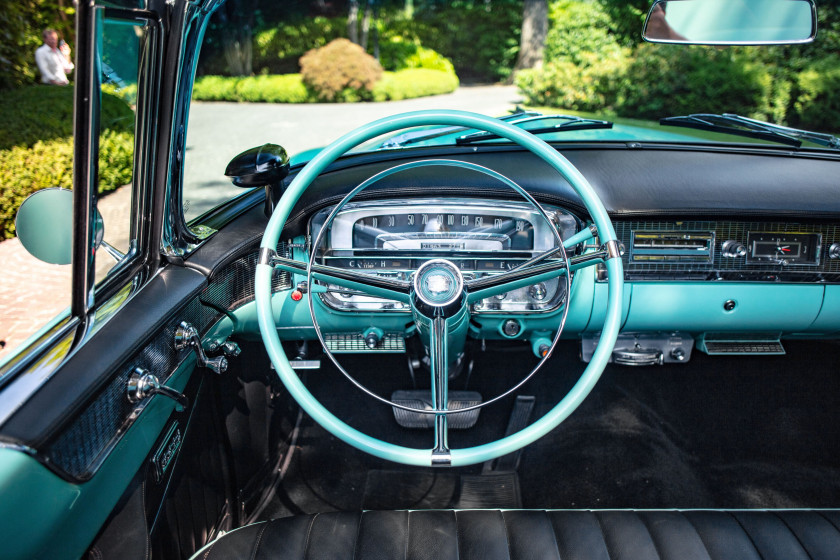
x=67 y=61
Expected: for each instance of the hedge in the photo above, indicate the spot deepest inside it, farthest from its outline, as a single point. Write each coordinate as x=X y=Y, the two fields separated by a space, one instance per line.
x=42 y=112
x=289 y=88
x=36 y=145
x=24 y=170
x=286 y=88
x=414 y=82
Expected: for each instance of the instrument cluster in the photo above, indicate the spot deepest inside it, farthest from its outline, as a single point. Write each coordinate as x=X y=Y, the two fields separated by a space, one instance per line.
x=481 y=237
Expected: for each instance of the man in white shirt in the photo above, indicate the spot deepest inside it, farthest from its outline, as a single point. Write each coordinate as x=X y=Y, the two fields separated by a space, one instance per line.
x=53 y=59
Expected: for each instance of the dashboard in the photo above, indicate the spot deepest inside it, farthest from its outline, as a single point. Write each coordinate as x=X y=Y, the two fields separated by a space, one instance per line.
x=723 y=251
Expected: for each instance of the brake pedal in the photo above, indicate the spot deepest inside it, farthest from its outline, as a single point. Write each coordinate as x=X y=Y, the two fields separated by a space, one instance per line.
x=422 y=399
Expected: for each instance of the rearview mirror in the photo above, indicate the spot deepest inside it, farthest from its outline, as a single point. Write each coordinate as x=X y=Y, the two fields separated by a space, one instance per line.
x=731 y=22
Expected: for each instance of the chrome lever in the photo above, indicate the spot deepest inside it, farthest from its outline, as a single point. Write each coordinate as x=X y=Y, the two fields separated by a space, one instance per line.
x=143 y=384
x=229 y=348
x=186 y=336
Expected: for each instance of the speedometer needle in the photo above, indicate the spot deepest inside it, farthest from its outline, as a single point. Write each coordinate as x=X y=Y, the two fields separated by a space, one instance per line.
x=785 y=249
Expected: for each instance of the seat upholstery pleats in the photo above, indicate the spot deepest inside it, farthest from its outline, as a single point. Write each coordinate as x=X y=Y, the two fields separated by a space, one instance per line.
x=538 y=534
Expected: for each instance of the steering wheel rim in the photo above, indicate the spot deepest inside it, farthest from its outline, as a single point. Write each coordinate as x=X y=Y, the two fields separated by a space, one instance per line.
x=426 y=457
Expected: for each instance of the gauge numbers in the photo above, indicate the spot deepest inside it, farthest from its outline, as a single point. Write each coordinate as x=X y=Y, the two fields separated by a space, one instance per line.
x=371 y=232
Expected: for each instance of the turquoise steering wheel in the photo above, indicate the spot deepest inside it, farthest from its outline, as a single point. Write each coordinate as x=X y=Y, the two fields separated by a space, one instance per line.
x=439 y=297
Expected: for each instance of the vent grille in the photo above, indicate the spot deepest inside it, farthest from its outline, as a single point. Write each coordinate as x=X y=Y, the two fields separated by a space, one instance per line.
x=741 y=347
x=354 y=343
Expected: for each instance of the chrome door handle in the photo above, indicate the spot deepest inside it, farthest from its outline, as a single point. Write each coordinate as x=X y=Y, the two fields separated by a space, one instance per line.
x=143 y=384
x=186 y=335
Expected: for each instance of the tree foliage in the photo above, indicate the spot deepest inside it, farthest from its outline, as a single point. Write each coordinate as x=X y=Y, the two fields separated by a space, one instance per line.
x=21 y=23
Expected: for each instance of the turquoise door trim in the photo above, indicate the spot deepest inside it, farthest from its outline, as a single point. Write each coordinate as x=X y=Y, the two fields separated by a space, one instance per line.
x=45 y=516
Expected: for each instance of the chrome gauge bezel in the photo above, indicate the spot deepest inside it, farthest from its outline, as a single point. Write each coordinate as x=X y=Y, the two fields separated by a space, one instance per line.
x=340 y=238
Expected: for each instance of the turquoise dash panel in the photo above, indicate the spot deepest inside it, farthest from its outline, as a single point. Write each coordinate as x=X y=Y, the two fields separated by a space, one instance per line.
x=700 y=307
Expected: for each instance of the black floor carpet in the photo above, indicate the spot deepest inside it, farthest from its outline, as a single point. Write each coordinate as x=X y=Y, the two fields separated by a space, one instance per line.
x=718 y=432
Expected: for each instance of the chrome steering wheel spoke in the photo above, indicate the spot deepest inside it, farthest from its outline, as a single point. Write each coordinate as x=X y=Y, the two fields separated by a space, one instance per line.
x=440 y=389
x=377 y=286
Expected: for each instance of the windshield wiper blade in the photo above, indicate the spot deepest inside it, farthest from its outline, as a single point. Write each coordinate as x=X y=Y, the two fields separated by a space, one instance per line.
x=420 y=135
x=416 y=136
x=729 y=123
x=568 y=123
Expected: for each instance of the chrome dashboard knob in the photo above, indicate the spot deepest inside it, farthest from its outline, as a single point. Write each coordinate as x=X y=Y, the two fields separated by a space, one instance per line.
x=834 y=251
x=733 y=249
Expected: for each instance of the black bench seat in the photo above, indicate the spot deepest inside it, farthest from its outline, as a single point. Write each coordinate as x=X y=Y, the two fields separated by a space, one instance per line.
x=538 y=534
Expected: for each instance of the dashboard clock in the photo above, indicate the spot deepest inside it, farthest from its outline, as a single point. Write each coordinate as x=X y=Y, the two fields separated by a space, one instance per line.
x=784 y=248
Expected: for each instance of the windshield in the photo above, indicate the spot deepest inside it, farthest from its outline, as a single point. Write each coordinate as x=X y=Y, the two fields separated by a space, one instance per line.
x=301 y=74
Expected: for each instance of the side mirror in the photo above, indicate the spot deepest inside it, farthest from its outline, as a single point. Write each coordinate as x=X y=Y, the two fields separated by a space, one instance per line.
x=731 y=22
x=263 y=166
x=44 y=226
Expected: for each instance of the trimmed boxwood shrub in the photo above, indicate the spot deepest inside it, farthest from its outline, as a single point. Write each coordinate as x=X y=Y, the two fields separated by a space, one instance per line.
x=286 y=88
x=414 y=82
x=36 y=145
x=340 y=71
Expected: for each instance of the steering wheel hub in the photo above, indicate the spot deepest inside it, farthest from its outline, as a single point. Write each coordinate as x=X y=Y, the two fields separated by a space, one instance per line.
x=438 y=284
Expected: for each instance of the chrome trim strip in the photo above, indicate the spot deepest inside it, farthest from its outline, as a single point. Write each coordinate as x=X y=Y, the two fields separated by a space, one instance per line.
x=18 y=447
x=613 y=249
x=267 y=256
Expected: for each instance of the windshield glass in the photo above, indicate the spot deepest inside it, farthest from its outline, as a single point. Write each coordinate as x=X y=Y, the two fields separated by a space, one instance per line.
x=301 y=74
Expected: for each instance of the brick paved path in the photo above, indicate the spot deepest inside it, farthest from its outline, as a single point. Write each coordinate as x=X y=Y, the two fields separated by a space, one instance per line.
x=33 y=292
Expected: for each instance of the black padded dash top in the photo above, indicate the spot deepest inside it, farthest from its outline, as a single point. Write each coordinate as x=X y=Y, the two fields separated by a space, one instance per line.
x=538 y=534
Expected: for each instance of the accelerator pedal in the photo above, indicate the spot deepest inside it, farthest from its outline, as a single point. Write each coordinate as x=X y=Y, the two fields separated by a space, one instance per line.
x=422 y=399
x=519 y=417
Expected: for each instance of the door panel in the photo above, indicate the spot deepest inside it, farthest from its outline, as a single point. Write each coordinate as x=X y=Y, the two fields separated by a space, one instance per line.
x=71 y=450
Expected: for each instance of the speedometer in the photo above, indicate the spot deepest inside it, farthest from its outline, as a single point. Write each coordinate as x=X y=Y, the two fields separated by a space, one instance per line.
x=443 y=231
